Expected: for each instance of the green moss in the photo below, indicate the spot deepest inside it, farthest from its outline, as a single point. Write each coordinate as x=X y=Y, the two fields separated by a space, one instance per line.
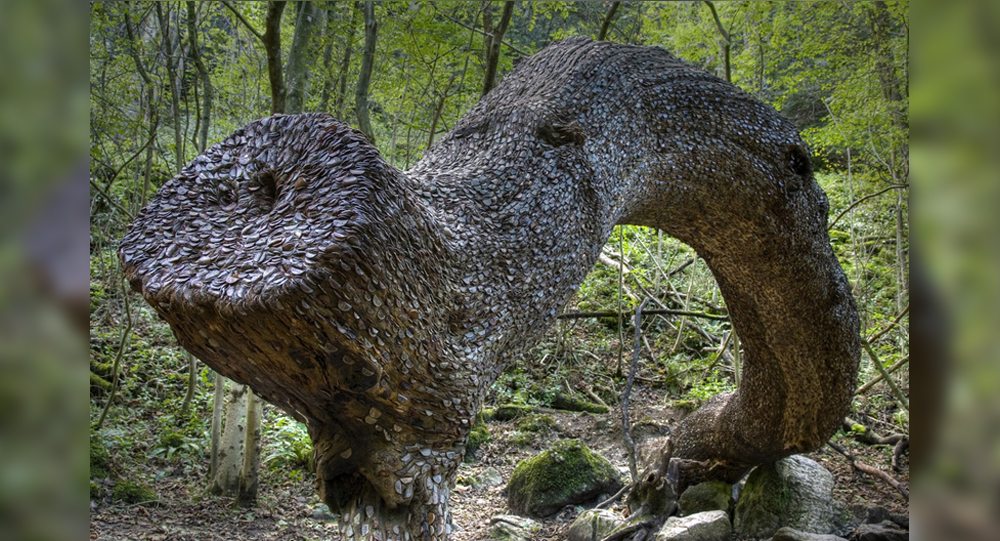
x=521 y=439
x=570 y=403
x=171 y=439
x=133 y=492
x=507 y=412
x=759 y=501
x=100 y=461
x=535 y=423
x=480 y=434
x=568 y=473
x=486 y=415
x=99 y=385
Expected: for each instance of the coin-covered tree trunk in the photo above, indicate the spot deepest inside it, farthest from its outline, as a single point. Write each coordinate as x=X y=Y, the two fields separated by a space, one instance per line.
x=378 y=306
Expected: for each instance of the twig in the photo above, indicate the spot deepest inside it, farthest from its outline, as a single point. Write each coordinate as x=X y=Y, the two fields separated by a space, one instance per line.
x=593 y=396
x=644 y=525
x=895 y=322
x=110 y=200
x=864 y=388
x=874 y=472
x=629 y=444
x=467 y=27
x=869 y=196
x=892 y=384
x=244 y=21
x=118 y=360
x=654 y=312
x=614 y=498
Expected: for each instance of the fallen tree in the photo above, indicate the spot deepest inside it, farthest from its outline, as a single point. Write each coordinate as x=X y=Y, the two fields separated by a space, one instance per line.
x=378 y=306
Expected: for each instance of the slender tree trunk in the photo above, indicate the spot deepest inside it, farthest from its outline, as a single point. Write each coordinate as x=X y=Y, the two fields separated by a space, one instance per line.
x=492 y=42
x=249 y=476
x=227 y=478
x=603 y=34
x=438 y=109
x=217 y=402
x=364 y=79
x=208 y=93
x=299 y=58
x=192 y=383
x=171 y=62
x=324 y=97
x=272 y=45
x=345 y=63
x=152 y=117
x=725 y=42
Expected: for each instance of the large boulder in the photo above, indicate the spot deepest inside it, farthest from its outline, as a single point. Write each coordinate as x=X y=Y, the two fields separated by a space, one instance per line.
x=707 y=526
x=883 y=531
x=793 y=491
x=567 y=474
x=707 y=496
x=593 y=525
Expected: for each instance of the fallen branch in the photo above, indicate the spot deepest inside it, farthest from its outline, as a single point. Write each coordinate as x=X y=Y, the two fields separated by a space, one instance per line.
x=614 y=498
x=870 y=470
x=868 y=435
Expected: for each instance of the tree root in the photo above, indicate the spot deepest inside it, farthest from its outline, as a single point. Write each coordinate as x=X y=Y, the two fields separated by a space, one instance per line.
x=871 y=470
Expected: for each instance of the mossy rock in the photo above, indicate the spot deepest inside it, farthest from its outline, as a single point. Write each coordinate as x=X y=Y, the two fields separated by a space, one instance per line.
x=479 y=435
x=567 y=474
x=133 y=492
x=509 y=412
x=707 y=496
x=794 y=491
x=571 y=403
x=535 y=423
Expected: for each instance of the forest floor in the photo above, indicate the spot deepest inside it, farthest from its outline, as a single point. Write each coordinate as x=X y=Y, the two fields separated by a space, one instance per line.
x=288 y=508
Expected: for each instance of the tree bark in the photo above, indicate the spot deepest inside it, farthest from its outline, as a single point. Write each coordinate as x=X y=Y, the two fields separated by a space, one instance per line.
x=378 y=306
x=171 y=62
x=492 y=44
x=208 y=92
x=250 y=471
x=364 y=79
x=272 y=46
x=345 y=64
x=300 y=58
x=603 y=34
x=219 y=398
x=151 y=111
x=227 y=478
x=328 y=80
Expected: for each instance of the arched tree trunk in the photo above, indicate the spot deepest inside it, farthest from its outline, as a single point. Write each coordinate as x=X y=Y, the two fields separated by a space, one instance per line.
x=378 y=306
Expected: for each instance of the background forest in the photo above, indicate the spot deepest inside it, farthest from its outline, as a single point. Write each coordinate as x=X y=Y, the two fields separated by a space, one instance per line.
x=167 y=79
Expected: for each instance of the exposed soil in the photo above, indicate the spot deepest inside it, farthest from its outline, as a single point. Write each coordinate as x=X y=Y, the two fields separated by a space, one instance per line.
x=289 y=510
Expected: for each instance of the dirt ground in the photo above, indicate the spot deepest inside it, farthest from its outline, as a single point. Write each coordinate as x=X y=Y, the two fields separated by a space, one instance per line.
x=289 y=510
